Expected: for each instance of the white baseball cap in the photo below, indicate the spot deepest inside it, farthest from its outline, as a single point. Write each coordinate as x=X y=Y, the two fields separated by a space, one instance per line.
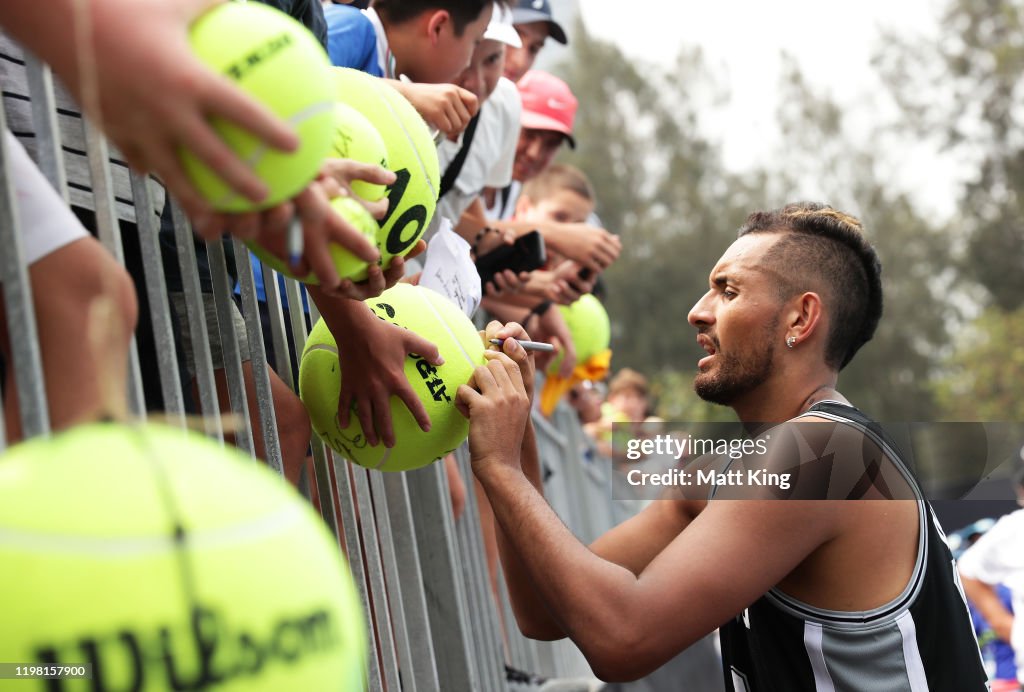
x=501 y=29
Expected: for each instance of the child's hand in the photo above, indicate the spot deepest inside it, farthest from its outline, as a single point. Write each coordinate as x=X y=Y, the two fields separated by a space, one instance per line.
x=444 y=107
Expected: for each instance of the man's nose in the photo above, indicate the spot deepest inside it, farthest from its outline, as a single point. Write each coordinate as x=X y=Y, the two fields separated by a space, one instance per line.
x=700 y=314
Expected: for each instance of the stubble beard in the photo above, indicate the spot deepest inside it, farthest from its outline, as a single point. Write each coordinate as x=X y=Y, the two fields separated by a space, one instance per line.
x=736 y=375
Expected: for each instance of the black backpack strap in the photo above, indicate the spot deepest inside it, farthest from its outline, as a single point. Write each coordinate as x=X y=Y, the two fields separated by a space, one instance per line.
x=506 y=192
x=452 y=172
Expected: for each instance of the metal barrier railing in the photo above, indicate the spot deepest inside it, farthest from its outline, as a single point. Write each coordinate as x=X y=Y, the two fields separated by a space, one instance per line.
x=422 y=576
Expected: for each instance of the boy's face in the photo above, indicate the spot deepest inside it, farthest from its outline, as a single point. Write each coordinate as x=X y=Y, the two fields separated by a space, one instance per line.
x=519 y=61
x=534 y=152
x=631 y=403
x=484 y=71
x=449 y=54
x=563 y=206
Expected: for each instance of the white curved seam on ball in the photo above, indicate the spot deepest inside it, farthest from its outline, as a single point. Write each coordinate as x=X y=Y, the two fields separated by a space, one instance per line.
x=383 y=459
x=448 y=329
x=321 y=347
x=262 y=527
x=261 y=149
x=412 y=141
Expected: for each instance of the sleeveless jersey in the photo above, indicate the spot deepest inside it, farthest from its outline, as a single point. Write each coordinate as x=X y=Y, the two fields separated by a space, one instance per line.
x=921 y=641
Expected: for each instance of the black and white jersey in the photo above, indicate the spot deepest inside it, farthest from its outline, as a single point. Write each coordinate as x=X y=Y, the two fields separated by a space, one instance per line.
x=922 y=641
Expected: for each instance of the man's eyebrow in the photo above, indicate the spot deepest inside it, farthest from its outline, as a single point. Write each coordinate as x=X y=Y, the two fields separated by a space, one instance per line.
x=721 y=280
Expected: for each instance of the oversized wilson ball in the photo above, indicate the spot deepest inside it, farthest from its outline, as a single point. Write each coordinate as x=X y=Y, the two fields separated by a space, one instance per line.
x=589 y=327
x=277 y=61
x=357 y=139
x=412 y=156
x=168 y=562
x=433 y=317
x=348 y=265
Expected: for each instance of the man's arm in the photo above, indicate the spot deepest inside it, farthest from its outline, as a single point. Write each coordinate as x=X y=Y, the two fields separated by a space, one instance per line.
x=591 y=247
x=990 y=561
x=628 y=624
x=151 y=94
x=986 y=600
x=632 y=545
x=372 y=355
x=444 y=107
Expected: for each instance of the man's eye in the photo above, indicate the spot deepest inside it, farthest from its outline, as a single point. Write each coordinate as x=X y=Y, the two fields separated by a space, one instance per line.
x=729 y=294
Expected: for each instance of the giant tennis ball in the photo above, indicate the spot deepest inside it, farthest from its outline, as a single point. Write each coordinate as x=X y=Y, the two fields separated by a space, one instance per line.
x=167 y=562
x=430 y=315
x=276 y=60
x=589 y=327
x=357 y=139
x=412 y=156
x=348 y=265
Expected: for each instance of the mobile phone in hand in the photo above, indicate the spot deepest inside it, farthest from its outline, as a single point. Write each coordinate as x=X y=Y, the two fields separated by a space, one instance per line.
x=525 y=254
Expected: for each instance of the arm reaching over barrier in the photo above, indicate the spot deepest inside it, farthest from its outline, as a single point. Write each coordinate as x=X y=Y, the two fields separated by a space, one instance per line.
x=144 y=86
x=373 y=352
x=774 y=572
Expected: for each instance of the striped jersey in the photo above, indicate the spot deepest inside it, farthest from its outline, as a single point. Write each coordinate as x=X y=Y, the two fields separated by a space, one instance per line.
x=921 y=641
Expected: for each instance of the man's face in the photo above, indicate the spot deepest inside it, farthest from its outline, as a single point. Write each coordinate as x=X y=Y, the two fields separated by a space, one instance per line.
x=452 y=53
x=519 y=61
x=737 y=322
x=563 y=206
x=534 y=152
x=484 y=71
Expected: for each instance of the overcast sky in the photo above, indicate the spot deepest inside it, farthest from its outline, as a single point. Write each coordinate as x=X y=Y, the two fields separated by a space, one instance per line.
x=832 y=41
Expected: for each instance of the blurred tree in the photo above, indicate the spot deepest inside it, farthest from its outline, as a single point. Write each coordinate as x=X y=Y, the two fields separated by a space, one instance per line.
x=661 y=185
x=967 y=89
x=891 y=377
x=986 y=370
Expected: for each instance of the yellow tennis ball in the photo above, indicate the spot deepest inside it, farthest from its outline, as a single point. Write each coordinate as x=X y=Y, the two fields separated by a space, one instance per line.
x=433 y=317
x=412 y=155
x=357 y=139
x=276 y=60
x=168 y=562
x=589 y=327
x=348 y=265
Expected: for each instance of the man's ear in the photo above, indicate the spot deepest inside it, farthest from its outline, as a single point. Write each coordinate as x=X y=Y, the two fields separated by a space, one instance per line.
x=436 y=23
x=805 y=317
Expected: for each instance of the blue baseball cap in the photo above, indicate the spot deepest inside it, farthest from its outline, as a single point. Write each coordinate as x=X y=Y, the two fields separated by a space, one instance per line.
x=960 y=541
x=526 y=11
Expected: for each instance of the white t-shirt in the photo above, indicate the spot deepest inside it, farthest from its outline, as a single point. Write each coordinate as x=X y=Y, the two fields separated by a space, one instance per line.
x=491 y=154
x=488 y=164
x=998 y=558
x=505 y=199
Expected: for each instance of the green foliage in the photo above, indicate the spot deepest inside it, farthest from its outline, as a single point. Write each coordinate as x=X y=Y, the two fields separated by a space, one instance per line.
x=986 y=370
x=891 y=376
x=966 y=90
x=662 y=186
